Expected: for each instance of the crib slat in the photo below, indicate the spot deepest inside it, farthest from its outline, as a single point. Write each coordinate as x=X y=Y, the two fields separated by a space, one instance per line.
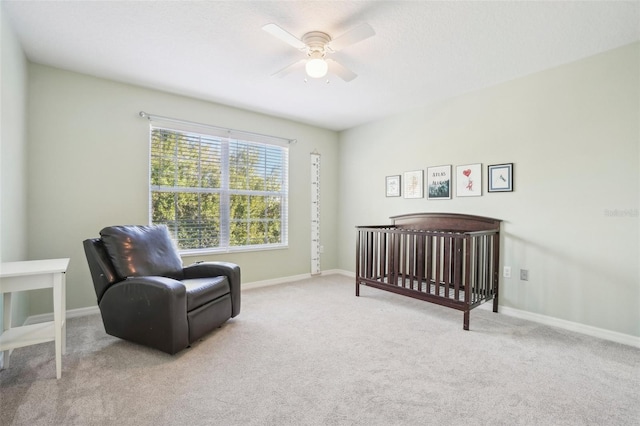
x=402 y=259
x=447 y=265
x=412 y=260
x=438 y=265
x=420 y=259
x=358 y=256
x=383 y=254
x=370 y=254
x=496 y=270
x=457 y=268
x=376 y=254
x=403 y=241
x=486 y=266
x=407 y=261
x=476 y=270
x=489 y=267
x=390 y=256
x=396 y=258
x=480 y=269
x=467 y=280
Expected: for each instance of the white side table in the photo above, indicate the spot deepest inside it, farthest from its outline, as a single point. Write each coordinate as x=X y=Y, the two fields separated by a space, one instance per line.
x=31 y=275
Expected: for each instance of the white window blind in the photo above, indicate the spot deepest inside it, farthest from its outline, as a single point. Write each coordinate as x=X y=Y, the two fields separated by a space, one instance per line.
x=218 y=193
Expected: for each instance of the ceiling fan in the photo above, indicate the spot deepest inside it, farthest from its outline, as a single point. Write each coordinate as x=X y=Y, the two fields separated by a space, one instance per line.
x=317 y=45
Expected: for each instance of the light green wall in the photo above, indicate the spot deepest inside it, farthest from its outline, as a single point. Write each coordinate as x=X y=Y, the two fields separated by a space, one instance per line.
x=13 y=158
x=573 y=135
x=88 y=168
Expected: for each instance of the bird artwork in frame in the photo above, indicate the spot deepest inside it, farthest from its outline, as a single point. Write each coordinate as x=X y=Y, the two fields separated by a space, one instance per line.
x=500 y=177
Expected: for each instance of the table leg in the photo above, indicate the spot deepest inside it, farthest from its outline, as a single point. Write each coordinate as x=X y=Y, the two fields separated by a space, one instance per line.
x=57 y=320
x=63 y=303
x=6 y=325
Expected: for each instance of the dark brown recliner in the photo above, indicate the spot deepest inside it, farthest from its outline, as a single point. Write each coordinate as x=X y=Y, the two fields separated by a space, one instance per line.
x=145 y=295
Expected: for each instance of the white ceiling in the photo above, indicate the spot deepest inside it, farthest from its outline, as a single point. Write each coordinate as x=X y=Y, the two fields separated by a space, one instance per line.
x=423 y=51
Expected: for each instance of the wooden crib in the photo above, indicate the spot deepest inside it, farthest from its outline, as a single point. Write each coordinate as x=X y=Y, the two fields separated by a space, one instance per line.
x=446 y=258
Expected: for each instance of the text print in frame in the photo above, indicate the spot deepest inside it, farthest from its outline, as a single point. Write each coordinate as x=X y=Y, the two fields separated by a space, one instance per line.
x=439 y=182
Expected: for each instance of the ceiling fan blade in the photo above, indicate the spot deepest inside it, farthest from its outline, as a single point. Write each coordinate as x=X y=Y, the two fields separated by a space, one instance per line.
x=354 y=36
x=285 y=36
x=289 y=68
x=342 y=72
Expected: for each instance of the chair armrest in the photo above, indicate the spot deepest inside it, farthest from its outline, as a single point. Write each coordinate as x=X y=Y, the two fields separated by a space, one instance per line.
x=216 y=269
x=148 y=310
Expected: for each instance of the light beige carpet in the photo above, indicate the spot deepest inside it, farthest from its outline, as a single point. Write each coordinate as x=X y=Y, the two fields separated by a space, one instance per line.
x=311 y=353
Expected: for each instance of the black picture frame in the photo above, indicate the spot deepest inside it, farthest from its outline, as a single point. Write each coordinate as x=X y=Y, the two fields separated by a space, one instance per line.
x=500 y=177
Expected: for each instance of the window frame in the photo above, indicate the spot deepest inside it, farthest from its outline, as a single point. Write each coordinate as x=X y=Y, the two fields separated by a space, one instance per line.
x=225 y=191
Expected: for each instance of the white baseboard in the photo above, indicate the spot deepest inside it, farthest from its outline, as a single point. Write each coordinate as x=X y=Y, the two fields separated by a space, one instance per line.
x=614 y=336
x=345 y=273
x=292 y=278
x=71 y=313
x=275 y=281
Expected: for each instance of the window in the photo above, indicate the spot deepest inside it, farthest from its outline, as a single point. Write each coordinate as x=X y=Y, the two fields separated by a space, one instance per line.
x=218 y=193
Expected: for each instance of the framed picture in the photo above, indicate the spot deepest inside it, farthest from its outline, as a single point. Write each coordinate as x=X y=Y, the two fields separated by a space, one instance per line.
x=500 y=177
x=414 y=184
x=439 y=182
x=392 y=184
x=469 y=180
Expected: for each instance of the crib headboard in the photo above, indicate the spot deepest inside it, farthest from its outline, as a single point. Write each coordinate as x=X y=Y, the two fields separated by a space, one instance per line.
x=446 y=222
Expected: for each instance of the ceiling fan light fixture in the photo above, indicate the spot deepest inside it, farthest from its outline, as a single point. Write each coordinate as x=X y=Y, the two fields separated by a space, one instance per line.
x=316 y=44
x=316 y=67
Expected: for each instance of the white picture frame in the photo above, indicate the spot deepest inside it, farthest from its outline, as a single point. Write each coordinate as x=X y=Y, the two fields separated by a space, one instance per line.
x=469 y=180
x=392 y=186
x=439 y=182
x=413 y=184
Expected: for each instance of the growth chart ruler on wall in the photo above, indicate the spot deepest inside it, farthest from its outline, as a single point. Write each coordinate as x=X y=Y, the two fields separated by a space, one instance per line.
x=316 y=248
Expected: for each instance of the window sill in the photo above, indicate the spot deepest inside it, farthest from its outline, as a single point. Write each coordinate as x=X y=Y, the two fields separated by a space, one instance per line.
x=228 y=250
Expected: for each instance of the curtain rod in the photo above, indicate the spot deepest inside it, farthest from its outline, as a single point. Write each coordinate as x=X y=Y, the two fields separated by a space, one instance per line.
x=152 y=117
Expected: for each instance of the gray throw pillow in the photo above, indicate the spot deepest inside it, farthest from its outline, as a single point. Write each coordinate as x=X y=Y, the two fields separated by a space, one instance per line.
x=137 y=250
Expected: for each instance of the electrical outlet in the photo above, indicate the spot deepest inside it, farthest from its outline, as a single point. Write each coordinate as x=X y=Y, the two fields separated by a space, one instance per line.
x=506 y=272
x=321 y=249
x=524 y=274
